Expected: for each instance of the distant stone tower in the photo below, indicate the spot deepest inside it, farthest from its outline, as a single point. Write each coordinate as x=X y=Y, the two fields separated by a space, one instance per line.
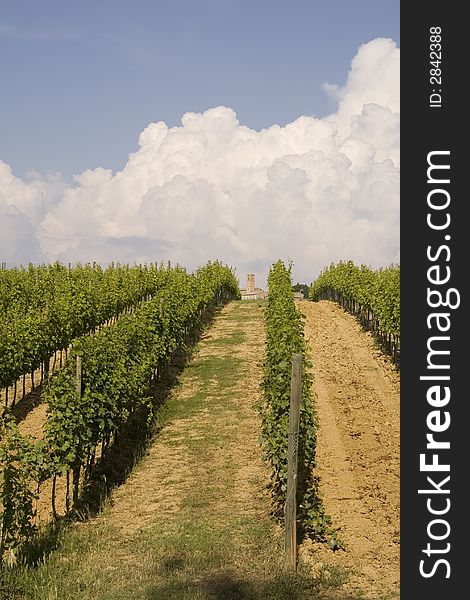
x=250 y=283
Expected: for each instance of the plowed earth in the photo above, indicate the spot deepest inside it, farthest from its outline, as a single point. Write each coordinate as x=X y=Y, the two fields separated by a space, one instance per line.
x=358 y=450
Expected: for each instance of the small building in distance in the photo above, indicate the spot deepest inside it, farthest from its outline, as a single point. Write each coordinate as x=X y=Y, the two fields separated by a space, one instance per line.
x=298 y=295
x=251 y=292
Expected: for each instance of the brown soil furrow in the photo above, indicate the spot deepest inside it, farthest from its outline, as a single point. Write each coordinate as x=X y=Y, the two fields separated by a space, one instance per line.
x=34 y=421
x=357 y=404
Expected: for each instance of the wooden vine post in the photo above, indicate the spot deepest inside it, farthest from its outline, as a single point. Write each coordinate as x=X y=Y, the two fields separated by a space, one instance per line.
x=290 y=507
x=79 y=377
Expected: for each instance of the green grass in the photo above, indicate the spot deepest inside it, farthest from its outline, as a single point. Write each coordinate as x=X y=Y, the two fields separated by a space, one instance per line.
x=230 y=339
x=189 y=562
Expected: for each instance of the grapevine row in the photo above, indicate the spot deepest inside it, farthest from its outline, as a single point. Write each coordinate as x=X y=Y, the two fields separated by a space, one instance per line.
x=43 y=308
x=285 y=336
x=373 y=296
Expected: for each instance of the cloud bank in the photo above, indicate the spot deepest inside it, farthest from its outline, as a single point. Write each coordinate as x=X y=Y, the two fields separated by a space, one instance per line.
x=314 y=191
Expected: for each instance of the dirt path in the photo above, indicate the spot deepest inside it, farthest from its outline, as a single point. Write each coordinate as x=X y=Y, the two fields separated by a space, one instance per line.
x=358 y=446
x=221 y=433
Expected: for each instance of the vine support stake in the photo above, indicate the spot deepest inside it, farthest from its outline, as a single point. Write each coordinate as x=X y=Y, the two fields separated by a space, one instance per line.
x=290 y=507
x=79 y=376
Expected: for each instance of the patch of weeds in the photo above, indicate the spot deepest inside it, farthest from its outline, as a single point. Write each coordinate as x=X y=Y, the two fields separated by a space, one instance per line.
x=232 y=339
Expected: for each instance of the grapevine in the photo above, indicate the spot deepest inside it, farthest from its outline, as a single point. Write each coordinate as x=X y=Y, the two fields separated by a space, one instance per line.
x=284 y=329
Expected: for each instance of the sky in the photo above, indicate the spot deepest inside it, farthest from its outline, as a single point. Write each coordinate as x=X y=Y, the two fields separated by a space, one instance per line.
x=192 y=130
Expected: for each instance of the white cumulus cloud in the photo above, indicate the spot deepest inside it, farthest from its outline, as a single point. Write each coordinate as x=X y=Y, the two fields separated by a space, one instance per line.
x=314 y=191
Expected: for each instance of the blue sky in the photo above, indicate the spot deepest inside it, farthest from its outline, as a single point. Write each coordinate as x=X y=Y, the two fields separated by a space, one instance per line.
x=81 y=79
x=195 y=130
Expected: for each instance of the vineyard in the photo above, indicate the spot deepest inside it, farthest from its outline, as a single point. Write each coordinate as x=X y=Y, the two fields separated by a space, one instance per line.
x=99 y=347
x=43 y=308
x=121 y=363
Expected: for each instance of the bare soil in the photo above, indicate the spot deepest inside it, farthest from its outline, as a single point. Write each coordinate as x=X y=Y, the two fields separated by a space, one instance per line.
x=358 y=451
